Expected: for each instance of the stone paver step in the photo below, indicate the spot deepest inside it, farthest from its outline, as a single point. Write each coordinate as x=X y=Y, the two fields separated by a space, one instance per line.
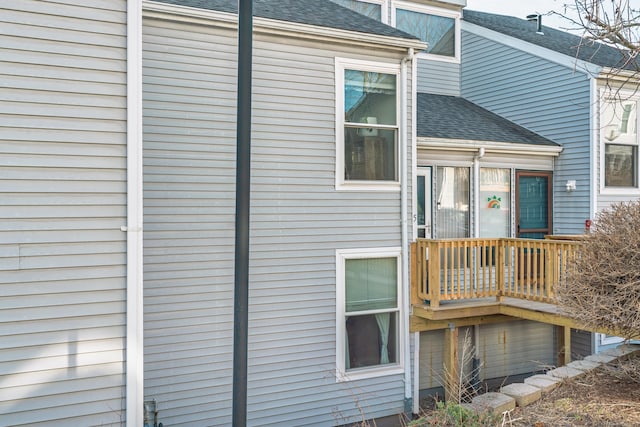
x=583 y=365
x=495 y=402
x=524 y=394
x=546 y=383
x=565 y=372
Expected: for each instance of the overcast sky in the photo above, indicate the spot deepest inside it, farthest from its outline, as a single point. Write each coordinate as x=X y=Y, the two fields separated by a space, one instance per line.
x=521 y=9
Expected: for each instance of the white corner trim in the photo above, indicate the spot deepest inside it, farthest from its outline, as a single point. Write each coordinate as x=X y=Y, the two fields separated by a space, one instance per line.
x=594 y=146
x=276 y=27
x=489 y=146
x=542 y=52
x=134 y=294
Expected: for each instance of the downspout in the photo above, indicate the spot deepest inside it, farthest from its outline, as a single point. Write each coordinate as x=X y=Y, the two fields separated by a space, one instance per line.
x=134 y=388
x=476 y=233
x=414 y=174
x=404 y=212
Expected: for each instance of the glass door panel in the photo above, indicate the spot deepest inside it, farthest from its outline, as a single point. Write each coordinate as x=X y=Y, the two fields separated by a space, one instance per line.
x=533 y=204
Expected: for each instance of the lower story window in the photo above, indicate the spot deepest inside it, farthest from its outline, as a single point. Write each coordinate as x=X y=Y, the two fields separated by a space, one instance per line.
x=369 y=311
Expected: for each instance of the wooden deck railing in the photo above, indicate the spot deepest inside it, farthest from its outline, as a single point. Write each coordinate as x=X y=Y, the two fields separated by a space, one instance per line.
x=455 y=269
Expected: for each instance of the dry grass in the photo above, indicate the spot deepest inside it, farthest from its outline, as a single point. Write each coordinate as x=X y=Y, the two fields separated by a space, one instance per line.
x=604 y=397
x=608 y=396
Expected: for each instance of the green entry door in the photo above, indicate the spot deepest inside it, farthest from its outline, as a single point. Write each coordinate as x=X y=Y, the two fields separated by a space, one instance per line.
x=533 y=204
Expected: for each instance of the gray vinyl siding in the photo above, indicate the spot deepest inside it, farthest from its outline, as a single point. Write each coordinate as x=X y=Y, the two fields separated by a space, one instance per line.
x=63 y=201
x=581 y=344
x=439 y=77
x=504 y=349
x=298 y=220
x=545 y=97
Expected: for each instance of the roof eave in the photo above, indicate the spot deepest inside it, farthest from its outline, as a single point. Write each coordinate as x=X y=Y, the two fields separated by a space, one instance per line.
x=489 y=146
x=159 y=10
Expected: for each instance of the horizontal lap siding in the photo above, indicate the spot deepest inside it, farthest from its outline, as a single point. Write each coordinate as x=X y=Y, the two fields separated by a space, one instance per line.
x=298 y=221
x=547 y=98
x=63 y=201
x=439 y=77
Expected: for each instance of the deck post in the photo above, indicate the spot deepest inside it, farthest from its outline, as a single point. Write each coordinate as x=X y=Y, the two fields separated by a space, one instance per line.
x=451 y=368
x=433 y=273
x=500 y=273
x=564 y=344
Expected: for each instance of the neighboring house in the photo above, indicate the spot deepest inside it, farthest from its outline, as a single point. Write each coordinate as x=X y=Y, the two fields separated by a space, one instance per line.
x=109 y=106
x=582 y=95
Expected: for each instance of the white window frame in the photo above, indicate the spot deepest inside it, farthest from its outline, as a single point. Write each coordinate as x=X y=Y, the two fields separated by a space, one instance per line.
x=606 y=97
x=342 y=255
x=384 y=8
x=429 y=10
x=342 y=64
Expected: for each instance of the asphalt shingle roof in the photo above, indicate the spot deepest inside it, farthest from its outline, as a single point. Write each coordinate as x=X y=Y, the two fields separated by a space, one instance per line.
x=322 y=13
x=451 y=117
x=556 y=40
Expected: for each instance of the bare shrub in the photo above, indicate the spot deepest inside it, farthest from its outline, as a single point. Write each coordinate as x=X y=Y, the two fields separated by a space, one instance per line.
x=602 y=290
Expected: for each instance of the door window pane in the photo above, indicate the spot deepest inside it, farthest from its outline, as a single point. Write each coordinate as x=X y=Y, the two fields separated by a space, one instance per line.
x=495 y=202
x=452 y=204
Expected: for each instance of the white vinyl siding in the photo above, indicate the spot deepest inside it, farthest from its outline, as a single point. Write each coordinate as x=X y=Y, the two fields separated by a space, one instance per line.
x=298 y=221
x=63 y=193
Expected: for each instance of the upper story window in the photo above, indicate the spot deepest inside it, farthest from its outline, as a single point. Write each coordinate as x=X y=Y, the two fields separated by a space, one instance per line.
x=367 y=125
x=440 y=28
x=619 y=130
x=375 y=9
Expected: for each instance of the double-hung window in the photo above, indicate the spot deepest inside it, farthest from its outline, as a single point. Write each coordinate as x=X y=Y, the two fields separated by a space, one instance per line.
x=619 y=130
x=368 y=313
x=367 y=125
x=439 y=28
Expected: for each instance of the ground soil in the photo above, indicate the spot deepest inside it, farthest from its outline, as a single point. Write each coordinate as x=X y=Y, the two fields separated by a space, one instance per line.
x=604 y=397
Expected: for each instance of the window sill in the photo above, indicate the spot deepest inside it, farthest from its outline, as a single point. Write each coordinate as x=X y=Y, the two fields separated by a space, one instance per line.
x=368 y=186
x=620 y=191
x=366 y=373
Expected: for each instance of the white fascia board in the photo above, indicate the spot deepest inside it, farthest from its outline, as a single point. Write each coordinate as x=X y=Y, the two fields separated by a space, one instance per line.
x=276 y=27
x=542 y=52
x=489 y=146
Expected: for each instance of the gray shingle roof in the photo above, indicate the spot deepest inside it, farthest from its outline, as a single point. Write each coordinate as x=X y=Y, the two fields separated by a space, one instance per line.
x=322 y=13
x=556 y=40
x=451 y=117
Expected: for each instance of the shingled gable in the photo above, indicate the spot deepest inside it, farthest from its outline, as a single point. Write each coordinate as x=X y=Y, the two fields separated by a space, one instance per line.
x=450 y=117
x=555 y=40
x=321 y=13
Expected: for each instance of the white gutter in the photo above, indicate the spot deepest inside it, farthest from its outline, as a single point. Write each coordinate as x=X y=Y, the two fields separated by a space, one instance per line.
x=404 y=212
x=276 y=27
x=134 y=341
x=489 y=146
